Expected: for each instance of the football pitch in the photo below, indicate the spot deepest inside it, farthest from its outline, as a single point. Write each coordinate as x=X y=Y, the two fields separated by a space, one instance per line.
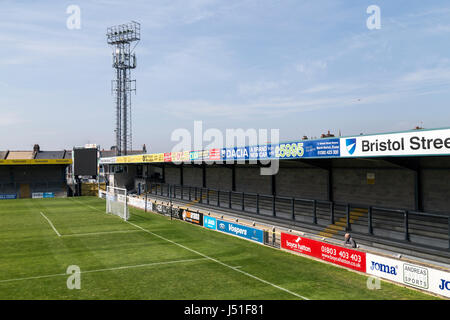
x=153 y=257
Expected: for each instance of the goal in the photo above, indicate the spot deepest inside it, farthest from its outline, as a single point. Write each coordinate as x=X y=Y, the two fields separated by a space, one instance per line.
x=116 y=202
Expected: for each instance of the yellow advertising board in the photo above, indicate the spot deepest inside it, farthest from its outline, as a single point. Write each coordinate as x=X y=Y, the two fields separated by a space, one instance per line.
x=35 y=162
x=154 y=157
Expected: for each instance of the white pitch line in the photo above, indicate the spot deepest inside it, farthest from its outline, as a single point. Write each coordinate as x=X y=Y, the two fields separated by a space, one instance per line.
x=87 y=205
x=96 y=233
x=51 y=224
x=105 y=269
x=221 y=263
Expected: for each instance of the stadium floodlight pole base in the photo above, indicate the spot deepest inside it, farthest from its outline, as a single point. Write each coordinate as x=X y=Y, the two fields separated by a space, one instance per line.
x=117 y=202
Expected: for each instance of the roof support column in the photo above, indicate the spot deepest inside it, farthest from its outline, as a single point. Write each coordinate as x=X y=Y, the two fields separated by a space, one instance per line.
x=204 y=175
x=330 y=183
x=181 y=175
x=274 y=186
x=418 y=190
x=233 y=177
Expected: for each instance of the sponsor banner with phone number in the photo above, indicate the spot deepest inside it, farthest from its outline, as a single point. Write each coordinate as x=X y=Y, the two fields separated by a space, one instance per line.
x=291 y=150
x=420 y=277
x=349 y=258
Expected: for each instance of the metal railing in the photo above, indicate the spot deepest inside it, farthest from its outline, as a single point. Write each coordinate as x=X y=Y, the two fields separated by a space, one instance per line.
x=393 y=224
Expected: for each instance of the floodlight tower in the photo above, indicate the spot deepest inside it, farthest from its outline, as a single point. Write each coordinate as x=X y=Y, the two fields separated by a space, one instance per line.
x=122 y=38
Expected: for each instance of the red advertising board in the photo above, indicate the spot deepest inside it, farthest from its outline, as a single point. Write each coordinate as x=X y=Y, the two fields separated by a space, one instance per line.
x=214 y=154
x=168 y=157
x=335 y=254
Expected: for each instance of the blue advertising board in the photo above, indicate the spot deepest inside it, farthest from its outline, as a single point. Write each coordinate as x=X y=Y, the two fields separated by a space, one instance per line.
x=291 y=150
x=209 y=222
x=7 y=196
x=241 y=231
x=308 y=149
x=40 y=195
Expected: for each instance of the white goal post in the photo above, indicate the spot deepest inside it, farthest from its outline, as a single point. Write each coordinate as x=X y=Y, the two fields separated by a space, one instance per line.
x=117 y=202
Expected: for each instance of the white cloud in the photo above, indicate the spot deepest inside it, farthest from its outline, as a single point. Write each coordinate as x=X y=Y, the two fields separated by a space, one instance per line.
x=427 y=75
x=10 y=119
x=259 y=87
x=311 y=67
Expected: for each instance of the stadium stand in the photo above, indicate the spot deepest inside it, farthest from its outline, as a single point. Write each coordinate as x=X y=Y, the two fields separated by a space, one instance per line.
x=24 y=174
x=391 y=190
x=422 y=234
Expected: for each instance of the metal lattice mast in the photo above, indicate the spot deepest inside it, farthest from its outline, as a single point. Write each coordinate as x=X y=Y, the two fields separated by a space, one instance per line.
x=121 y=38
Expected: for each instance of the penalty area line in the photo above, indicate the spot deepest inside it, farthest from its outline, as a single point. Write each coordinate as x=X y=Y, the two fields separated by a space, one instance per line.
x=221 y=263
x=51 y=224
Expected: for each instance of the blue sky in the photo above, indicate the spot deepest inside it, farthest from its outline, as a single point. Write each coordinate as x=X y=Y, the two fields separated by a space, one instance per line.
x=304 y=67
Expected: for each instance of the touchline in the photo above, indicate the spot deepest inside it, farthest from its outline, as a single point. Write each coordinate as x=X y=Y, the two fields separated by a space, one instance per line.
x=415 y=143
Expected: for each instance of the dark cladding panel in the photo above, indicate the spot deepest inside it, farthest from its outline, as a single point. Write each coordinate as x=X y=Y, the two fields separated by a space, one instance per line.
x=85 y=162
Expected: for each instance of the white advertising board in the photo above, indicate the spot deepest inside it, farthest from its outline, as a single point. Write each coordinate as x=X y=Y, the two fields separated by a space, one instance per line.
x=140 y=203
x=420 y=277
x=412 y=143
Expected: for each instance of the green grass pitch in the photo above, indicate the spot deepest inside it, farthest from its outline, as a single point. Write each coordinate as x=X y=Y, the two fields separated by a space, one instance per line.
x=152 y=257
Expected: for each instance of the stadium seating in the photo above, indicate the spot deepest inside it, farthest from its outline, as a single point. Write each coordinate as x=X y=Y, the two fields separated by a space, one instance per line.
x=386 y=226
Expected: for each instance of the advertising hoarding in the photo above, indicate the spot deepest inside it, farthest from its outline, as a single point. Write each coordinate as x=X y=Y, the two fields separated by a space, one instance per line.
x=291 y=150
x=40 y=195
x=8 y=196
x=35 y=161
x=241 y=231
x=192 y=217
x=342 y=256
x=209 y=222
x=420 y=277
x=167 y=210
x=413 y=143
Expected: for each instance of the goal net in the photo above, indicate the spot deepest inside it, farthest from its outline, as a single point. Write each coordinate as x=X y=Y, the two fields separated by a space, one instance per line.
x=116 y=202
